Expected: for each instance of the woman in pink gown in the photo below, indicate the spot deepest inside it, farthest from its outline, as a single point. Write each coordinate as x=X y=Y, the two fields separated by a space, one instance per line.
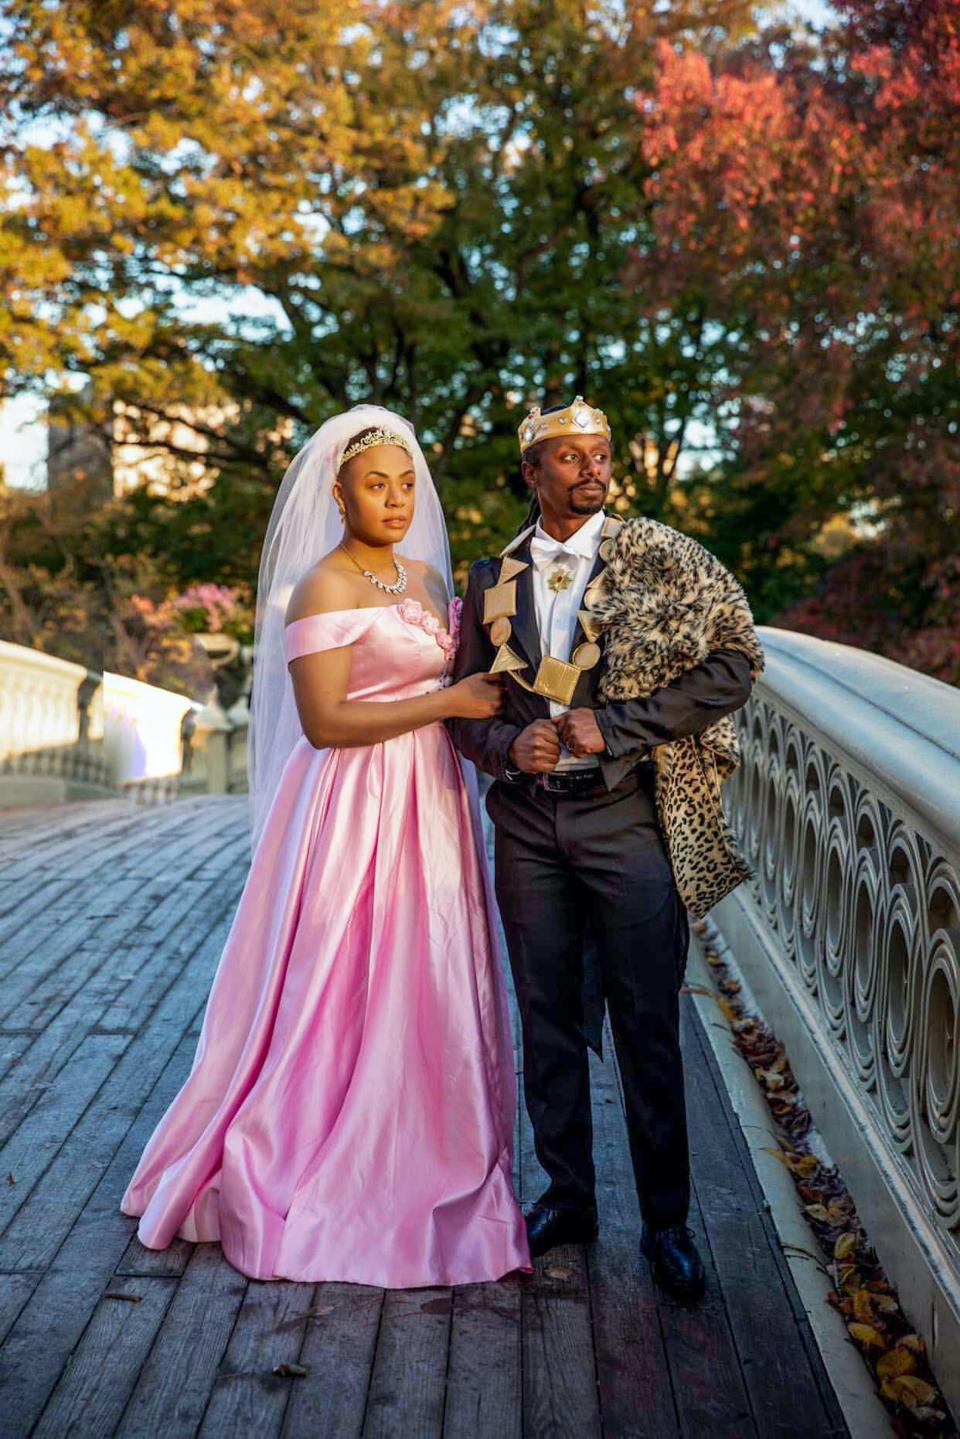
x=349 y=1113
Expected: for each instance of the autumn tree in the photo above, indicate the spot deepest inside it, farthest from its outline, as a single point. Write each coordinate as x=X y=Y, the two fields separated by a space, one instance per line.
x=428 y=205
x=806 y=199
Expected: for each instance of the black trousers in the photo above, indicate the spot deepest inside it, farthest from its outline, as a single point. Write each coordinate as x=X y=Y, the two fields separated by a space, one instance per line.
x=560 y=863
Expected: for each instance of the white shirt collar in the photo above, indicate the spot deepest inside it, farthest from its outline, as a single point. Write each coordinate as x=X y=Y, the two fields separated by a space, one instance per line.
x=583 y=542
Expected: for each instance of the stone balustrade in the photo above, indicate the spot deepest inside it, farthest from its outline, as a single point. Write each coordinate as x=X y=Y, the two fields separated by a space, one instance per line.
x=51 y=728
x=69 y=733
x=847 y=804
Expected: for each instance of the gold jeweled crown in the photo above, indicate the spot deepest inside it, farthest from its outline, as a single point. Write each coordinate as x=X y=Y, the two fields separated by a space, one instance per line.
x=577 y=419
x=378 y=436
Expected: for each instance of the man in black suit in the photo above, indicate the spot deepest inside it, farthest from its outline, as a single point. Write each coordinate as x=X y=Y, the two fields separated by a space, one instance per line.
x=578 y=845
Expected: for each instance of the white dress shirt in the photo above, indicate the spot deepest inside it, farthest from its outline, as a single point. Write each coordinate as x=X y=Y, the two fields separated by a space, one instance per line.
x=556 y=610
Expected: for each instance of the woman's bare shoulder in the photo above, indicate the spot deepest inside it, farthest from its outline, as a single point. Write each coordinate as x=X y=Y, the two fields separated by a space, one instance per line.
x=429 y=574
x=327 y=586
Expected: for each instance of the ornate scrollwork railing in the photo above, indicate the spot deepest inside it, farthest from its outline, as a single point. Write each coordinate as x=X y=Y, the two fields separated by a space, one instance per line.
x=847 y=804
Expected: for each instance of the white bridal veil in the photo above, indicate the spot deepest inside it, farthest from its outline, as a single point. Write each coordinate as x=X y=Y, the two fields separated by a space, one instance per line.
x=304 y=525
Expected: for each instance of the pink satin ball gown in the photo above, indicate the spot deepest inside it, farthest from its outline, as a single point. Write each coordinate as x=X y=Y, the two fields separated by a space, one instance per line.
x=349 y=1113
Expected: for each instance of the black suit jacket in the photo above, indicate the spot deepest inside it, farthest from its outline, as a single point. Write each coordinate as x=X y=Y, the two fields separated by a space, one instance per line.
x=718 y=685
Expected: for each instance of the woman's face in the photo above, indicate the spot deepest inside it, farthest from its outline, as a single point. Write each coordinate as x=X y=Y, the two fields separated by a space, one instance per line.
x=376 y=491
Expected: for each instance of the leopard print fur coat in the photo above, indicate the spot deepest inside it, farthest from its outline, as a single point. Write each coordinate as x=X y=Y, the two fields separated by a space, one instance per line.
x=667 y=602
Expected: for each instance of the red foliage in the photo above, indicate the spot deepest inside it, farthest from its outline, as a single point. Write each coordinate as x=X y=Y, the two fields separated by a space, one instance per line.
x=809 y=205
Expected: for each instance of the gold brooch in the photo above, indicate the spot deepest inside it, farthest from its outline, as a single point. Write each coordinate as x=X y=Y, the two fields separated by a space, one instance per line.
x=559 y=579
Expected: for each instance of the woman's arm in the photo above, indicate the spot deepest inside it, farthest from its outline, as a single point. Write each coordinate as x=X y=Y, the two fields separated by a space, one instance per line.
x=329 y=719
x=321 y=682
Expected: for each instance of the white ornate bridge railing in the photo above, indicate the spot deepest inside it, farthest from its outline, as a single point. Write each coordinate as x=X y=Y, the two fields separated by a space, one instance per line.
x=51 y=728
x=70 y=733
x=847 y=804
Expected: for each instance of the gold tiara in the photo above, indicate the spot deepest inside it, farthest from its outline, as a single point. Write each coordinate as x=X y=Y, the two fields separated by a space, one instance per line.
x=577 y=419
x=375 y=437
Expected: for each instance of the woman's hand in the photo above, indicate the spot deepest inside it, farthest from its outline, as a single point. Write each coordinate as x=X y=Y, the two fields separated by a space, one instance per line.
x=476 y=696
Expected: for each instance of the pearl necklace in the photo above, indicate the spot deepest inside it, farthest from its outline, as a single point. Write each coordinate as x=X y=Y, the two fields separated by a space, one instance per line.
x=397 y=588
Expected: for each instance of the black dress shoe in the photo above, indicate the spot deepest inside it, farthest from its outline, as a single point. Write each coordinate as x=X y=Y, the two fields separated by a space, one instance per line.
x=676 y=1265
x=547 y=1227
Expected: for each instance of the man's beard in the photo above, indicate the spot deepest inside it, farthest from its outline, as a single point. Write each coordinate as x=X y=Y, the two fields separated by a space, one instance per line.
x=581 y=504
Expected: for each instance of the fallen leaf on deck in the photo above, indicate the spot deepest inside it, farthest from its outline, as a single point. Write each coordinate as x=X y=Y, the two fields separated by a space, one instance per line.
x=866 y=1334
x=291 y=1371
x=896 y=1362
x=888 y=1305
x=845 y=1245
x=910 y=1389
x=557 y=1271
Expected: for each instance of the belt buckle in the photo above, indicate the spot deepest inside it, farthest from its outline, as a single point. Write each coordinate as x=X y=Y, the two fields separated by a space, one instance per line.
x=570 y=782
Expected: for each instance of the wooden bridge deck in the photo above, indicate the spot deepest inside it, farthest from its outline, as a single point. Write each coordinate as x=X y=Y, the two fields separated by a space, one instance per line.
x=111 y=924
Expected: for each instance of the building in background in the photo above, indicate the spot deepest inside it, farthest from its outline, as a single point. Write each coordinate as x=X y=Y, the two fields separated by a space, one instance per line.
x=95 y=460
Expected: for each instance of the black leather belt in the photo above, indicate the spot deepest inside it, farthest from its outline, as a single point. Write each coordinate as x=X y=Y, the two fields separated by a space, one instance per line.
x=586 y=782
x=574 y=782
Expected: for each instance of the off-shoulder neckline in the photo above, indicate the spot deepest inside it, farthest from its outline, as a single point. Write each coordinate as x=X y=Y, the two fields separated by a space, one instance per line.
x=361 y=609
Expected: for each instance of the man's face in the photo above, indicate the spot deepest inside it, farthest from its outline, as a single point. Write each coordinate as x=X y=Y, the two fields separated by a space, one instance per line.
x=573 y=476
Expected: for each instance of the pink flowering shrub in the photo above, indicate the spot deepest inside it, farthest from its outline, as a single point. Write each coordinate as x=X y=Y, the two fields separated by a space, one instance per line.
x=214 y=609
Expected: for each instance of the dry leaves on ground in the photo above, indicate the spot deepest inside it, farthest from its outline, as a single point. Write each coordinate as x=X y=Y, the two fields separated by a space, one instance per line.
x=862 y=1293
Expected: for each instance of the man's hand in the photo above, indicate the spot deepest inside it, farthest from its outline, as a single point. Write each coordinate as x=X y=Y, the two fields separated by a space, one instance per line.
x=580 y=732
x=536 y=749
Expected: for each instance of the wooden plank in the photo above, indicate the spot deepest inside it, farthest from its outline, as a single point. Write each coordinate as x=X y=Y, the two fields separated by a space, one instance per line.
x=35 y=1232
x=31 y=1148
x=40 y=831
x=118 y=992
x=85 y=844
x=36 y=956
x=484 y=1381
x=85 y=911
x=40 y=1061
x=560 y=1396
x=633 y=1374
x=706 y=1377
x=24 y=902
x=93 y=1389
x=407 y=1383
x=15 y=1292
x=72 y=1105
x=492 y=1359
x=64 y=1298
x=270 y=1329
x=51 y=1323
x=339 y=1348
x=484 y=1376
x=177 y=1377
x=783 y=1385
x=558 y=1381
